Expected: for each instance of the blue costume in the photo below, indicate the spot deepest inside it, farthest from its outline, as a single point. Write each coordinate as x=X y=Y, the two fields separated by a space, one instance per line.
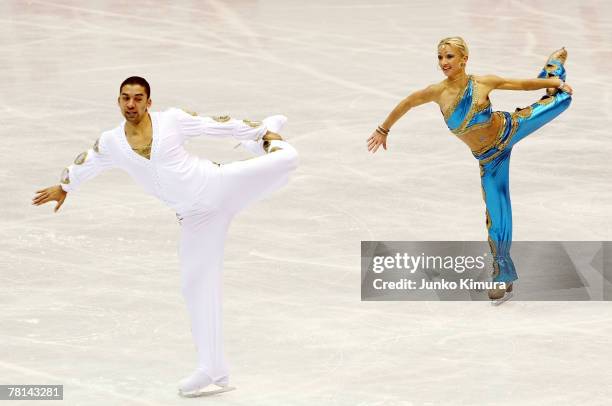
x=494 y=162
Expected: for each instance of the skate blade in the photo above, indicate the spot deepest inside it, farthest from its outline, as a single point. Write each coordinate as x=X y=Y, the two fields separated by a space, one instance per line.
x=202 y=393
x=507 y=296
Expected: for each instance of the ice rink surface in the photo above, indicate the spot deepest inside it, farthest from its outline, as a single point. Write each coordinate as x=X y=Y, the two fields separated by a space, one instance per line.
x=90 y=296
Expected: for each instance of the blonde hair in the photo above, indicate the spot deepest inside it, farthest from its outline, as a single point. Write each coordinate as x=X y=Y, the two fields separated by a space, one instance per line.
x=456 y=42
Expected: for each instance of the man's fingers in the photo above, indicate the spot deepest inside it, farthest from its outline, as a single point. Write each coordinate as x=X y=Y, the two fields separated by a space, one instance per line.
x=41 y=190
x=39 y=199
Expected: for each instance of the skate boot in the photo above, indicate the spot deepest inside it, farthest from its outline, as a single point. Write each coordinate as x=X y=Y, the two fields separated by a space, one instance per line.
x=555 y=68
x=200 y=384
x=501 y=295
x=274 y=124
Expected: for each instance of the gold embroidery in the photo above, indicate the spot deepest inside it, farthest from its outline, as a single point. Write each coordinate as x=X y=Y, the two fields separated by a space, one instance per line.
x=524 y=112
x=96 y=146
x=546 y=100
x=482 y=172
x=80 y=159
x=494 y=252
x=502 y=145
x=502 y=128
x=493 y=247
x=250 y=123
x=495 y=269
x=65 y=177
x=448 y=112
x=191 y=113
x=550 y=68
x=222 y=119
x=471 y=111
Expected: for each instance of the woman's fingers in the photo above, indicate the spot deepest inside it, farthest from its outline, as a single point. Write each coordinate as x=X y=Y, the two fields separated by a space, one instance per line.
x=375 y=141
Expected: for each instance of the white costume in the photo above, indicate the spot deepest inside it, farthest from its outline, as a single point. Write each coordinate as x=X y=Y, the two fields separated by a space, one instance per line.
x=205 y=196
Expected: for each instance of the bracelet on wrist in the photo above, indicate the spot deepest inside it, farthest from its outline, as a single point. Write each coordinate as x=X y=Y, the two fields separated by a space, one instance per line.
x=562 y=84
x=381 y=130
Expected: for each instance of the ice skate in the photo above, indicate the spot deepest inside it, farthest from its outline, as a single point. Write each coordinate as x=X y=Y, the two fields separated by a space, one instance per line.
x=501 y=295
x=275 y=123
x=200 y=384
x=555 y=68
x=260 y=147
x=253 y=146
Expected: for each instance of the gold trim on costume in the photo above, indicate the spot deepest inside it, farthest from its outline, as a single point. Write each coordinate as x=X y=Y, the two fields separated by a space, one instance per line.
x=80 y=159
x=448 y=112
x=546 y=100
x=65 y=176
x=550 y=68
x=462 y=129
x=221 y=119
x=191 y=113
x=252 y=124
x=494 y=252
x=502 y=145
x=524 y=112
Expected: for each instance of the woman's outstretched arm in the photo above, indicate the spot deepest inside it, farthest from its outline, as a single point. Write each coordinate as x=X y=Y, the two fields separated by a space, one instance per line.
x=379 y=136
x=496 y=82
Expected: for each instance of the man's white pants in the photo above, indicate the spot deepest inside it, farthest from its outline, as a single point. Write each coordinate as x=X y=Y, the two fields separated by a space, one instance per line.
x=231 y=187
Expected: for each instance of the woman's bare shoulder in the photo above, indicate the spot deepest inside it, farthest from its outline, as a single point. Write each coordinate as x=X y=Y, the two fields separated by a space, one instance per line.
x=435 y=90
x=487 y=80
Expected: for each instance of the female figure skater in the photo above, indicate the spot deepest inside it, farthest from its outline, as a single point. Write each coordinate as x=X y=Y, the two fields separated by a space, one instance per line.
x=205 y=195
x=465 y=105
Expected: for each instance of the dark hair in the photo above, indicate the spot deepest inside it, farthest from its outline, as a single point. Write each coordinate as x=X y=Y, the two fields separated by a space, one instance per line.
x=137 y=80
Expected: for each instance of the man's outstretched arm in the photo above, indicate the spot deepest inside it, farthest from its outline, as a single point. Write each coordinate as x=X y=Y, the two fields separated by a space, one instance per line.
x=86 y=165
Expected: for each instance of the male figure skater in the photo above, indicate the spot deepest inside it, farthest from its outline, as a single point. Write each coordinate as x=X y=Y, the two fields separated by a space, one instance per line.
x=205 y=196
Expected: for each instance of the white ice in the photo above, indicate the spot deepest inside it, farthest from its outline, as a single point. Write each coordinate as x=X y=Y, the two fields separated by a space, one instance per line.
x=90 y=296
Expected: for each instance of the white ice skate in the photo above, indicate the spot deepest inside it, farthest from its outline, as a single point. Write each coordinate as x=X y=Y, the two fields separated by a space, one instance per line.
x=274 y=124
x=507 y=296
x=501 y=296
x=199 y=384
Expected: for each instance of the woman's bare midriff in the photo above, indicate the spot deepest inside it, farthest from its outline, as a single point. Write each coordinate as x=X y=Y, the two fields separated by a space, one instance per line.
x=481 y=139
